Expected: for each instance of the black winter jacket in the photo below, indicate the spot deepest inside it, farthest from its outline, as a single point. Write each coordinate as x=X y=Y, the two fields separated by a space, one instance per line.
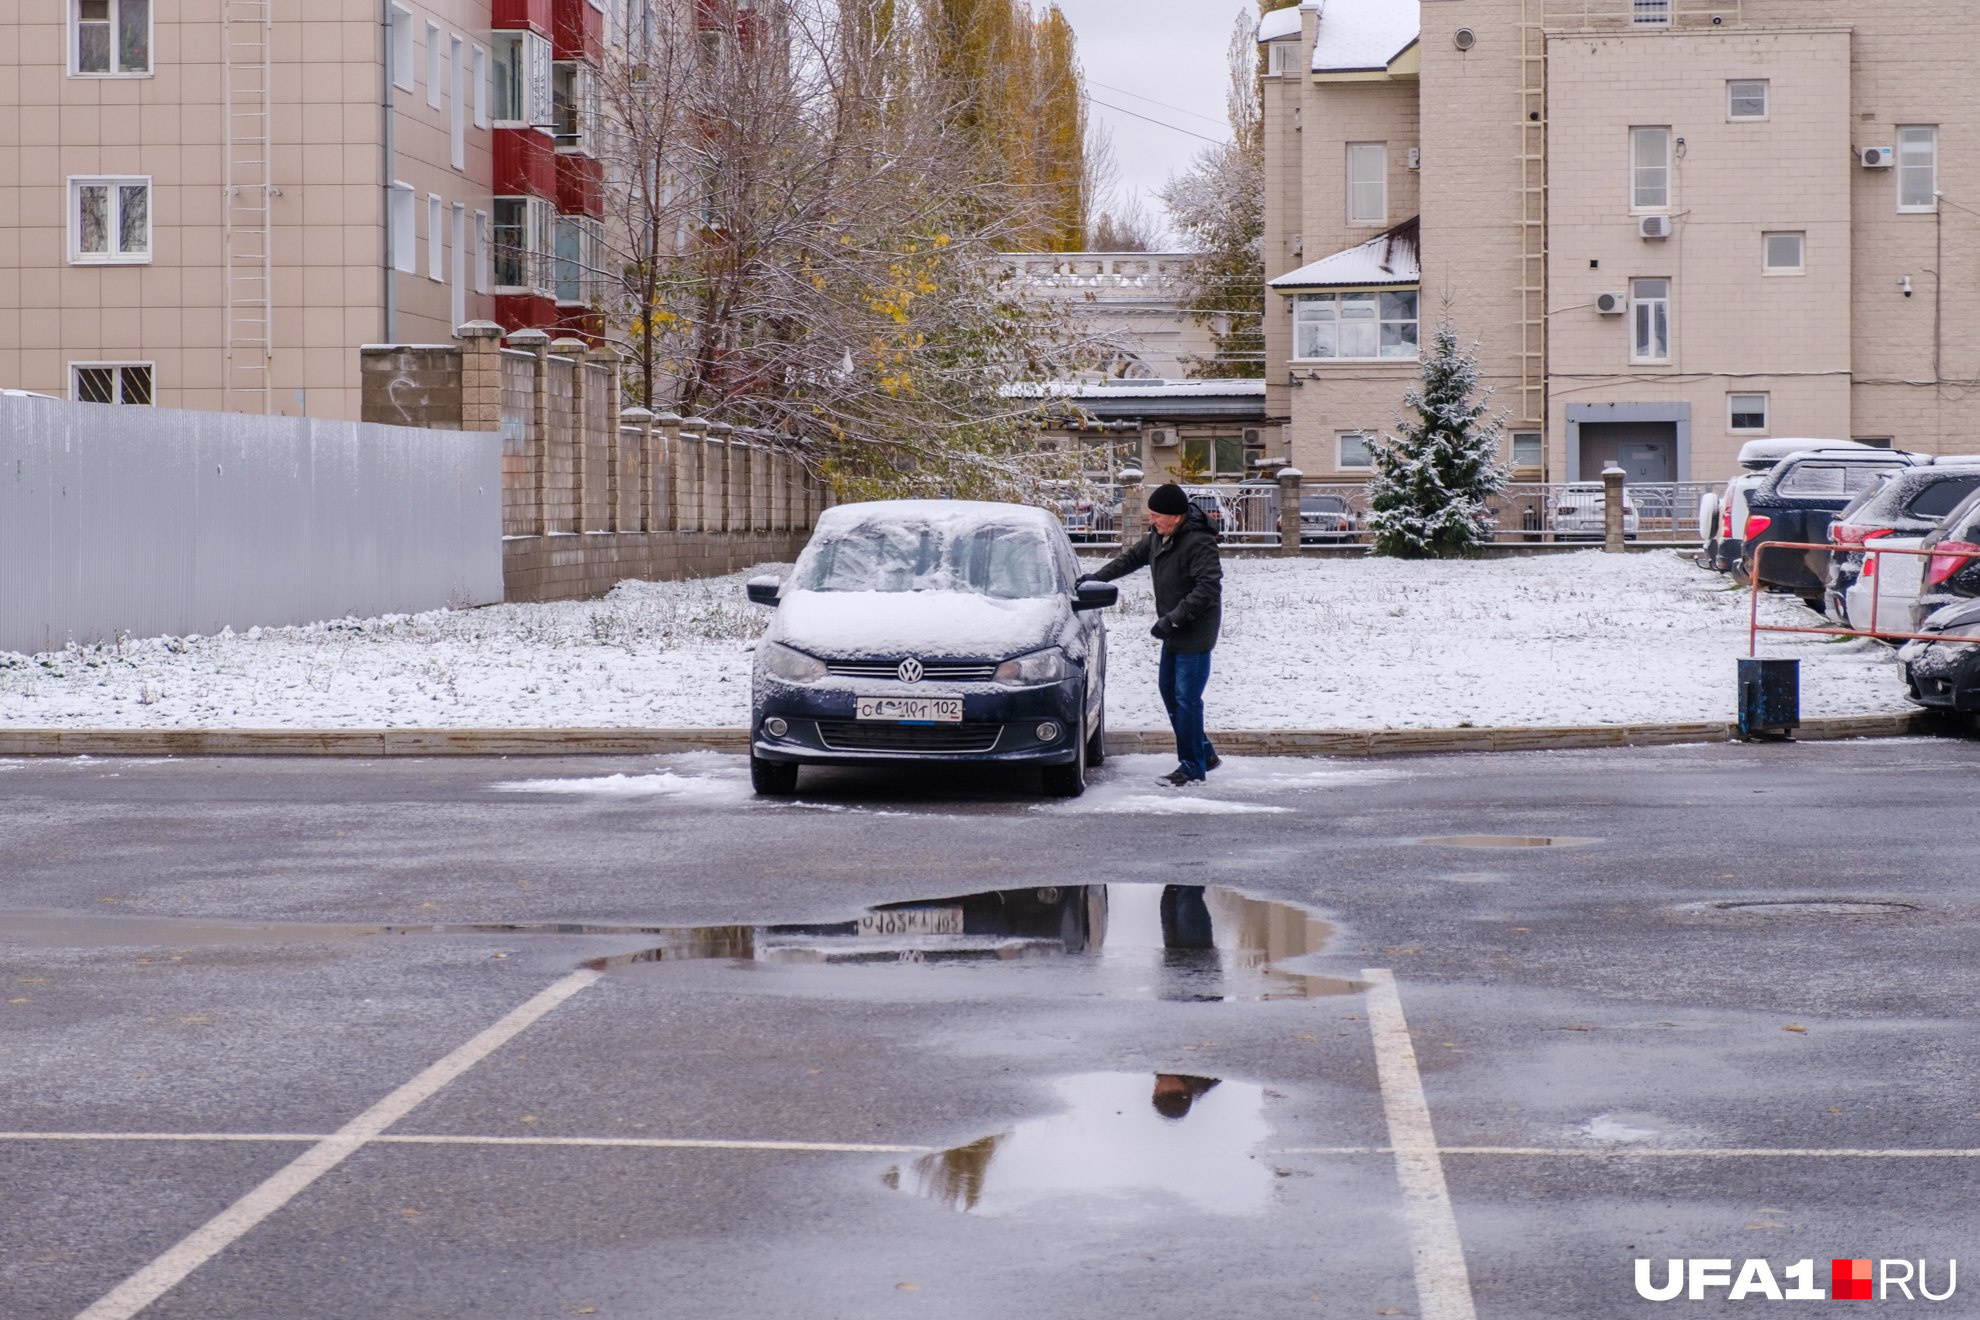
x=1188 y=577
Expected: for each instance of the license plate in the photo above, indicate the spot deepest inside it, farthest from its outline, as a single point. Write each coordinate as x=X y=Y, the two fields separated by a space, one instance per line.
x=912 y=921
x=911 y=710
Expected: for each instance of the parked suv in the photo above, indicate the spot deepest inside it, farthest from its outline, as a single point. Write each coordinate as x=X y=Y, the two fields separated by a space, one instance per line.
x=1949 y=577
x=1895 y=514
x=1795 y=503
x=1725 y=539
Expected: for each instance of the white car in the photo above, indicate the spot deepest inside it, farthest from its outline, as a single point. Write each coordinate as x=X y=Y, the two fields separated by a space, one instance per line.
x=1888 y=581
x=1582 y=510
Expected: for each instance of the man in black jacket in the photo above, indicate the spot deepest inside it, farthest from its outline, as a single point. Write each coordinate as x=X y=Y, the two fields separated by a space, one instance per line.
x=1180 y=553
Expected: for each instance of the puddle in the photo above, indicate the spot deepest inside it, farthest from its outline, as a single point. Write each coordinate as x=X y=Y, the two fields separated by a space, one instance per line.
x=1813 y=907
x=1129 y=1138
x=1504 y=841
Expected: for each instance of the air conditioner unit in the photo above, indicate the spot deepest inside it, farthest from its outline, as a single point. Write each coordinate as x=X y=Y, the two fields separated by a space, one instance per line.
x=1254 y=437
x=1163 y=437
x=1877 y=158
x=1612 y=304
x=1415 y=158
x=1653 y=226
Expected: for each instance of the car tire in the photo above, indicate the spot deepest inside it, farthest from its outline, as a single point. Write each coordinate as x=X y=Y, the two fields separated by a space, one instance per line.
x=1096 y=746
x=773 y=778
x=1068 y=780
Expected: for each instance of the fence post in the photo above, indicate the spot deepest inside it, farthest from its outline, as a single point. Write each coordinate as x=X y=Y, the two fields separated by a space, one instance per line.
x=694 y=452
x=1612 y=509
x=537 y=343
x=721 y=461
x=573 y=350
x=642 y=420
x=481 y=375
x=747 y=493
x=1289 y=524
x=1134 y=514
x=670 y=431
x=608 y=357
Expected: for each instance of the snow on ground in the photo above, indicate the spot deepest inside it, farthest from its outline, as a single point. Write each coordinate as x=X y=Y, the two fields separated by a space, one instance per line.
x=1311 y=643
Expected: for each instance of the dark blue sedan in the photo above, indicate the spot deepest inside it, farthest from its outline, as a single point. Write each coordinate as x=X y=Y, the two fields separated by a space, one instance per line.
x=931 y=630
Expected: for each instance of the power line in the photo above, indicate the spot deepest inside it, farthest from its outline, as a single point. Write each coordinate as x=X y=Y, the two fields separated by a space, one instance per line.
x=1190 y=132
x=1208 y=119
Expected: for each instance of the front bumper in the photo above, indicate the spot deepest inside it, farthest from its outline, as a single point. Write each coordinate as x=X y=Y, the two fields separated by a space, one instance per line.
x=999 y=724
x=1943 y=675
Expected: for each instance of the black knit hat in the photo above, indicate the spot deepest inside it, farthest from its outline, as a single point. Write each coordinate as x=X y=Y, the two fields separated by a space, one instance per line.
x=1168 y=498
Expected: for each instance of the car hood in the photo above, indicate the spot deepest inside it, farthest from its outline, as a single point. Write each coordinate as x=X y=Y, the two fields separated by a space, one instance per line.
x=886 y=624
x=1962 y=615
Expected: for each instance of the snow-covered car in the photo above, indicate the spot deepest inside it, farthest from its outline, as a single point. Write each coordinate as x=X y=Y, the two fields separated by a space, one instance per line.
x=1794 y=505
x=1896 y=514
x=1951 y=575
x=931 y=630
x=1944 y=672
x=1756 y=459
x=1581 y=509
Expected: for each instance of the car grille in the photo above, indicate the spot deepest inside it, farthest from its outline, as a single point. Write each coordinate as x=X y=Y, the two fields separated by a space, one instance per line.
x=932 y=671
x=865 y=736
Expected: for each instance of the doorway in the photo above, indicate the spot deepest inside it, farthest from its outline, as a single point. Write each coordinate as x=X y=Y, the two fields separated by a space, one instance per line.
x=1647 y=451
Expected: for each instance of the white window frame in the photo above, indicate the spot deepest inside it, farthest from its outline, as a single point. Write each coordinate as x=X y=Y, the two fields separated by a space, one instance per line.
x=433 y=83
x=1539 y=446
x=1733 y=410
x=1767 y=265
x=75 y=383
x=457 y=109
x=539 y=220
x=1641 y=344
x=1281 y=59
x=483 y=263
x=402 y=48
x=116 y=9
x=1367 y=441
x=1929 y=135
x=115 y=221
x=1733 y=98
x=533 y=61
x=436 y=233
x=404 y=228
x=1308 y=308
x=458 y=309
x=1639 y=133
x=1367 y=155
x=481 y=76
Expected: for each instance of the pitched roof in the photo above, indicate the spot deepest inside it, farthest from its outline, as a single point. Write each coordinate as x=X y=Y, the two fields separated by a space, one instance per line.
x=1279 y=23
x=1360 y=35
x=1387 y=259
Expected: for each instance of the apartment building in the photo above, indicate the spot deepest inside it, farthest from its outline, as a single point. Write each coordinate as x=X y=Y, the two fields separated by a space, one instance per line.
x=1670 y=225
x=214 y=203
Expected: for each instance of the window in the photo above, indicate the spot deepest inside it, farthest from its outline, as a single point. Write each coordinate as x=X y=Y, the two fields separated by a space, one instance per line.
x=112 y=382
x=1366 y=324
x=457 y=81
x=1650 y=13
x=1368 y=183
x=110 y=37
x=1650 y=169
x=402 y=48
x=571 y=108
x=520 y=78
x=481 y=77
x=1356 y=452
x=1650 y=315
x=1526 y=449
x=109 y=221
x=522 y=229
x=1281 y=58
x=436 y=221
x=1746 y=98
x=433 y=65
x=481 y=263
x=458 y=283
x=580 y=244
x=1218 y=457
x=1918 y=168
x=405 y=244
x=1746 y=412
x=1784 y=253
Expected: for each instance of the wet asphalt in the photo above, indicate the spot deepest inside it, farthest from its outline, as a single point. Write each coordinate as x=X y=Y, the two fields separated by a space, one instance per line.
x=1748 y=948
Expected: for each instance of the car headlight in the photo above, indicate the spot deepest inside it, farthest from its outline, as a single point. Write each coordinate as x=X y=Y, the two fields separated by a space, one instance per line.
x=1048 y=666
x=791 y=665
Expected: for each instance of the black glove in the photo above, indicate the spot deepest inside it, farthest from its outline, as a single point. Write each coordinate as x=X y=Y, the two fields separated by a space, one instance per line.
x=1164 y=628
x=1085 y=578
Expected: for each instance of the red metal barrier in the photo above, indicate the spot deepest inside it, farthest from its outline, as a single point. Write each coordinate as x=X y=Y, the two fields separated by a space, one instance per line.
x=1755 y=627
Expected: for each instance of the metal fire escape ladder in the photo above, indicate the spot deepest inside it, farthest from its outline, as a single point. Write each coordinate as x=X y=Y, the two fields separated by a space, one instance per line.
x=250 y=193
x=1533 y=216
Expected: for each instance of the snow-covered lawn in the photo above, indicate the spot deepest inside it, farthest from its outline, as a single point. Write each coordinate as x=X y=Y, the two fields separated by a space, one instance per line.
x=1350 y=644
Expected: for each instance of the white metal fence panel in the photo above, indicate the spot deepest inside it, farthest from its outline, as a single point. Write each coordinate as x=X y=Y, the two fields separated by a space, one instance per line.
x=159 y=522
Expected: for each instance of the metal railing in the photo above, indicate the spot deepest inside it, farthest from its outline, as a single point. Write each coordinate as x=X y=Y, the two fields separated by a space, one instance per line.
x=1755 y=627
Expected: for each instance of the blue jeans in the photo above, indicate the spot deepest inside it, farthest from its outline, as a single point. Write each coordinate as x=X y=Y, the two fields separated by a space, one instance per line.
x=1182 y=678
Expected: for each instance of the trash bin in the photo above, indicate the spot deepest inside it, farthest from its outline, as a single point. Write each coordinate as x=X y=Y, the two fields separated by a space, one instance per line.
x=1769 y=698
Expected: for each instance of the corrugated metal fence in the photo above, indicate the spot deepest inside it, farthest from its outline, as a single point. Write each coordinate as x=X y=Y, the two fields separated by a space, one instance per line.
x=154 y=521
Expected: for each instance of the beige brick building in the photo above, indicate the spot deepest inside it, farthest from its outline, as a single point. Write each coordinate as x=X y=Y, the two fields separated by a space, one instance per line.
x=215 y=203
x=1672 y=226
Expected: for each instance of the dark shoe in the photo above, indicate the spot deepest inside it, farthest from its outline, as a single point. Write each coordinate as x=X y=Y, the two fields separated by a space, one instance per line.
x=1214 y=761
x=1176 y=778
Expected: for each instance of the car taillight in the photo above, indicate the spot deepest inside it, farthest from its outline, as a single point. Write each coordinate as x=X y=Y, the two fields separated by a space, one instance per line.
x=1726 y=523
x=1849 y=534
x=1756 y=524
x=1944 y=566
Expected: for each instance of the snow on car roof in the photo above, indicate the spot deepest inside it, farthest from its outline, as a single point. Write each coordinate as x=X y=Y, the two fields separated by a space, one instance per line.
x=949 y=515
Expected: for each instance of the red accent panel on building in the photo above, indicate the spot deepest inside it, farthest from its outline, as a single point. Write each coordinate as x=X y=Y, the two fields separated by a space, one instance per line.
x=581 y=322
x=579 y=32
x=514 y=14
x=525 y=163
x=526 y=311
x=580 y=186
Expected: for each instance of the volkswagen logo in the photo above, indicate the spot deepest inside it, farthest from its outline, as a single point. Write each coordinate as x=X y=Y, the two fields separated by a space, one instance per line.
x=910 y=670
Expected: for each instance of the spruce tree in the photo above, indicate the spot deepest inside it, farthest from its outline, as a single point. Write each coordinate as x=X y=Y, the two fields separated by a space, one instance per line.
x=1427 y=499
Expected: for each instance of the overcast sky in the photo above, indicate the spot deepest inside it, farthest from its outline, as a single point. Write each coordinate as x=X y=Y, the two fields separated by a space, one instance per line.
x=1162 y=59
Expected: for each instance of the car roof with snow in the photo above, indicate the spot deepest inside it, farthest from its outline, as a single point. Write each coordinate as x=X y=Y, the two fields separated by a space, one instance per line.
x=952 y=516
x=1766 y=453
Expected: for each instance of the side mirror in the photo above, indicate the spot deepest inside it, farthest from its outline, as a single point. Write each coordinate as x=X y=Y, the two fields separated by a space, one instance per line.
x=764 y=590
x=1095 y=595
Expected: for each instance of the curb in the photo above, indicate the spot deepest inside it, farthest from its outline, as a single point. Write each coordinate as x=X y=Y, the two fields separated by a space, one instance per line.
x=643 y=742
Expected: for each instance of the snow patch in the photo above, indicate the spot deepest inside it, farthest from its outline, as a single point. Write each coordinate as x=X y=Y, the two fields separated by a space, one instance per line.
x=667 y=784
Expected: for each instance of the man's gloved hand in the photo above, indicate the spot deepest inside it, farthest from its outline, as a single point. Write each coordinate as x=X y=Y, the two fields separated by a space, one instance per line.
x=1164 y=628
x=1085 y=578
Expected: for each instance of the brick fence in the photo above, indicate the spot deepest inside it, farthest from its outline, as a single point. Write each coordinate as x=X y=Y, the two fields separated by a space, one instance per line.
x=593 y=492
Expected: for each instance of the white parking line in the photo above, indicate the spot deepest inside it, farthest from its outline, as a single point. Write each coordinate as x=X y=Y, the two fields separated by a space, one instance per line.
x=1443 y=1285
x=154 y=1280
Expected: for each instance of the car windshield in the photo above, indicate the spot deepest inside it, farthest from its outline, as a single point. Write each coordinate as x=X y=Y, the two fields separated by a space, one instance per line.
x=1322 y=504
x=985 y=559
x=1830 y=480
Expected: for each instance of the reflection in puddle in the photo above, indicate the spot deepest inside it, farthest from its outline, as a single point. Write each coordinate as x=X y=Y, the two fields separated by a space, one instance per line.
x=1123 y=1136
x=1505 y=841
